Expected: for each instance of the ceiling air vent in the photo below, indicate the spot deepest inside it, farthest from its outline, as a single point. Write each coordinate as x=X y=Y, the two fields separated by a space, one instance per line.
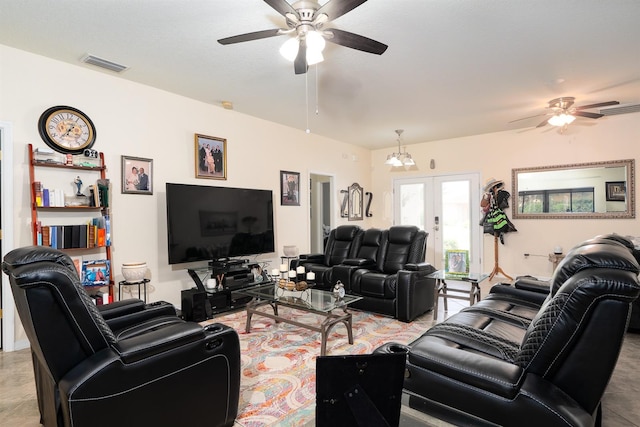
x=620 y=109
x=103 y=63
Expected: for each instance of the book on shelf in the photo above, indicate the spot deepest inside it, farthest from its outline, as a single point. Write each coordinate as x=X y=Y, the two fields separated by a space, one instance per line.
x=94 y=233
x=37 y=189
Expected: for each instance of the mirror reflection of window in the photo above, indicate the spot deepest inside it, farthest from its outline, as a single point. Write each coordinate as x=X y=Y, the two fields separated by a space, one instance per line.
x=574 y=191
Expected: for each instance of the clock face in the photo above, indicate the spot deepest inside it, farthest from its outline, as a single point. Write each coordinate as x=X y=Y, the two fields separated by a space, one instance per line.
x=66 y=129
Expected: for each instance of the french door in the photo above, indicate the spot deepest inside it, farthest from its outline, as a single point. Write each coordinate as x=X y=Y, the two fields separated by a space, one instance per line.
x=448 y=208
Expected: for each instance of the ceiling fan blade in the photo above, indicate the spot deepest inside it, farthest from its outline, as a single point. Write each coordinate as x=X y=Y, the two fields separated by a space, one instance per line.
x=336 y=8
x=587 y=114
x=300 y=64
x=599 y=104
x=530 y=117
x=281 y=6
x=544 y=123
x=355 y=41
x=252 y=36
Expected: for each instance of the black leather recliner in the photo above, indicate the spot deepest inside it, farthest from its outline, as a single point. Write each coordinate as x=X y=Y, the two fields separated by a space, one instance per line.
x=493 y=364
x=343 y=242
x=396 y=285
x=175 y=373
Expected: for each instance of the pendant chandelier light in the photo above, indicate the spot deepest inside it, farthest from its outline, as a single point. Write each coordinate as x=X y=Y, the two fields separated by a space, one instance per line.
x=401 y=158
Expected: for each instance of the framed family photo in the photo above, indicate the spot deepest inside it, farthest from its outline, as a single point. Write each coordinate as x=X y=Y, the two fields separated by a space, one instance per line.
x=289 y=188
x=137 y=175
x=616 y=191
x=211 y=157
x=456 y=262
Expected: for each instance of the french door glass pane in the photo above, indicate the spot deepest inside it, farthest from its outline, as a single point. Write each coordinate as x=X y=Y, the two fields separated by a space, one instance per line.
x=456 y=218
x=412 y=205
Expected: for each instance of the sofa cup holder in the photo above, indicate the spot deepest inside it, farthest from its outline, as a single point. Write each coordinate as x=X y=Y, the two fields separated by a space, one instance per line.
x=213 y=328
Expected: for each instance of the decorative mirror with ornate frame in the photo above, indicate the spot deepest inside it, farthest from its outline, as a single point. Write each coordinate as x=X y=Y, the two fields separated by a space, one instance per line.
x=356 y=195
x=586 y=191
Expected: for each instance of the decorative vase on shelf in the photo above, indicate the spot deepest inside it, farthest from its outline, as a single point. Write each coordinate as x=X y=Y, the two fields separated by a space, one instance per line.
x=290 y=250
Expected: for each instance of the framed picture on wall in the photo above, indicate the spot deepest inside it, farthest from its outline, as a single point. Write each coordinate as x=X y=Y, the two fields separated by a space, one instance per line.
x=137 y=175
x=289 y=188
x=456 y=262
x=616 y=191
x=211 y=157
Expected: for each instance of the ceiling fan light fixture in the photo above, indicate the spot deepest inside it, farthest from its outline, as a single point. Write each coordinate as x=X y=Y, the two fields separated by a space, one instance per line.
x=561 y=119
x=315 y=46
x=289 y=49
x=315 y=41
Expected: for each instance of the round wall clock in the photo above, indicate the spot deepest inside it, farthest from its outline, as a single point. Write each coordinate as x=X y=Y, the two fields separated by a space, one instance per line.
x=66 y=129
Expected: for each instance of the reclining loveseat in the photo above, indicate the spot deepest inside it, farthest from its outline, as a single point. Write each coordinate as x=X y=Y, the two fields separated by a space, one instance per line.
x=518 y=359
x=386 y=268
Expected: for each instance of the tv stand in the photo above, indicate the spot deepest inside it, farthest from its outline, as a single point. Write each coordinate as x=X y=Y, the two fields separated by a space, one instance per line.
x=235 y=277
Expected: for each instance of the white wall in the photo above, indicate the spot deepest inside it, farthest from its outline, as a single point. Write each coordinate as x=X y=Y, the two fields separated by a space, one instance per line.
x=494 y=155
x=136 y=120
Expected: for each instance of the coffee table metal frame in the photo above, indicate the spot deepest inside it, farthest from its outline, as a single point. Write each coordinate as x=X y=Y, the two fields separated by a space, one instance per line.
x=306 y=301
x=473 y=294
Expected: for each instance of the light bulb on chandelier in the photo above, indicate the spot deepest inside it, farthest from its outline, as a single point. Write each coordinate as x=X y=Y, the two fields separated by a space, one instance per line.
x=401 y=158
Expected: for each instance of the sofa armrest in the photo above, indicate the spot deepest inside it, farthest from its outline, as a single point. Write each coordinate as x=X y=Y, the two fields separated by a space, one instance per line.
x=359 y=262
x=532 y=284
x=503 y=290
x=420 y=267
x=415 y=292
x=311 y=257
x=149 y=311
x=121 y=308
x=159 y=340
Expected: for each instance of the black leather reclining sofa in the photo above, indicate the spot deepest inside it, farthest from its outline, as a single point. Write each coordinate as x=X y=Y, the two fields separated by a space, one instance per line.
x=386 y=268
x=523 y=358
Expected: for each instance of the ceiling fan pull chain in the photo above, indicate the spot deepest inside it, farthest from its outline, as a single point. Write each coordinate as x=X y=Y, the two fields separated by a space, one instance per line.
x=317 y=93
x=306 y=98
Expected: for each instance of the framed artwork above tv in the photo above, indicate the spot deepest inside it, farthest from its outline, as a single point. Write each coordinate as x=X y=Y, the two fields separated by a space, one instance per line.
x=289 y=188
x=211 y=157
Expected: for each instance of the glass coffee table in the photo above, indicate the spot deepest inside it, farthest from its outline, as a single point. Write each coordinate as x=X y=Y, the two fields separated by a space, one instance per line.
x=316 y=301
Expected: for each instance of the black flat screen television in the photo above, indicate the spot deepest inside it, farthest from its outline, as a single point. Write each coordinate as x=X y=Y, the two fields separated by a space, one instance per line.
x=206 y=223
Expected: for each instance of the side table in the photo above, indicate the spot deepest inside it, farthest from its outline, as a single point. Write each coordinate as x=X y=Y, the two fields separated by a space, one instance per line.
x=140 y=283
x=443 y=290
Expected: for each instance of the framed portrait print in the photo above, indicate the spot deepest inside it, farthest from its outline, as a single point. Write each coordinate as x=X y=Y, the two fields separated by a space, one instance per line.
x=137 y=175
x=456 y=262
x=616 y=191
x=211 y=157
x=289 y=188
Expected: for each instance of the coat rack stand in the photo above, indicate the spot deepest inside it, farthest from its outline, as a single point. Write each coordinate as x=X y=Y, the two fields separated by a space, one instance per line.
x=496 y=266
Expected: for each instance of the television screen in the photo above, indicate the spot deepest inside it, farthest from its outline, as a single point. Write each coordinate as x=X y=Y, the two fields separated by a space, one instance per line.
x=206 y=223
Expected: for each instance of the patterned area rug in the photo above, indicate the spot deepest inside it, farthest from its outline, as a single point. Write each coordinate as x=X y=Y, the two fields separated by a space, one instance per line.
x=277 y=383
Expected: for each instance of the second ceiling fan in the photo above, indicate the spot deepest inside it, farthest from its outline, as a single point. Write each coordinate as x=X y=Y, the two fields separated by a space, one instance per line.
x=306 y=19
x=563 y=112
